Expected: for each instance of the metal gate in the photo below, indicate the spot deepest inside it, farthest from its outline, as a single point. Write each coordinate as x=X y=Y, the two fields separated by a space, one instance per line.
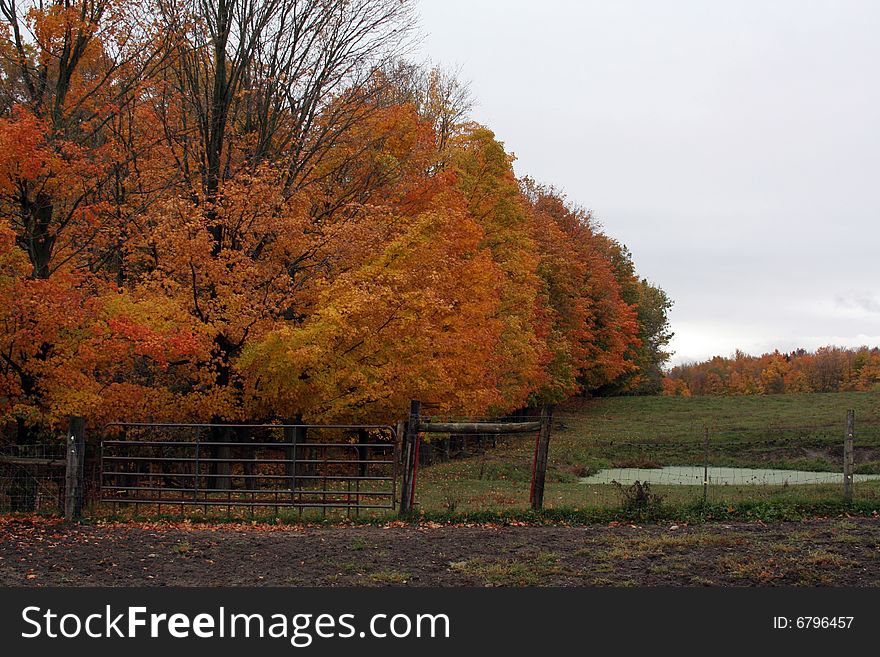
x=344 y=467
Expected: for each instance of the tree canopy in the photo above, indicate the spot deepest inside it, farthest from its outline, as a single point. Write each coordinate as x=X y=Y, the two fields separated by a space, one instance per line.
x=259 y=209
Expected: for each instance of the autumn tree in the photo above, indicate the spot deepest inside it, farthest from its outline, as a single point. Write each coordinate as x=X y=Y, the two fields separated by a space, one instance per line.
x=652 y=312
x=417 y=320
x=439 y=96
x=485 y=177
x=254 y=209
x=69 y=70
x=609 y=338
x=257 y=98
x=70 y=76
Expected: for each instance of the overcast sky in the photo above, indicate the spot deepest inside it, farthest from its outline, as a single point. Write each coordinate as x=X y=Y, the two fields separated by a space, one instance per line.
x=733 y=146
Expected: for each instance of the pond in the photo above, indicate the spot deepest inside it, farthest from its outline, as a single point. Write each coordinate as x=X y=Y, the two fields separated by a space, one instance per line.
x=687 y=475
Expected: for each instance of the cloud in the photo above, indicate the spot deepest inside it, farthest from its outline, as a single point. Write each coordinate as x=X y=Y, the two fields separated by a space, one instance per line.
x=858 y=301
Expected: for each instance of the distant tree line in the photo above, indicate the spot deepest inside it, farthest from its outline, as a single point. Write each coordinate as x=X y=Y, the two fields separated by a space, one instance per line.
x=828 y=369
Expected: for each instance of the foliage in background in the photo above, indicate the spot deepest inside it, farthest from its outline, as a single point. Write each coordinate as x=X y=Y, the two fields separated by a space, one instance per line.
x=828 y=369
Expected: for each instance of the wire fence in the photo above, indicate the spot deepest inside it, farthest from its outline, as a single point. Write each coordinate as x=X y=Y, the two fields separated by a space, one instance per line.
x=32 y=478
x=726 y=464
x=644 y=461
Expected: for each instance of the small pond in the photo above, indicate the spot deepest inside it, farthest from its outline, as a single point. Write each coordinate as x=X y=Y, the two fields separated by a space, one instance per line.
x=686 y=475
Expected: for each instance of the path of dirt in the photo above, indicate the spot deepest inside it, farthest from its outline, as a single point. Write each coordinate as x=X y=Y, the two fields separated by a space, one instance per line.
x=838 y=552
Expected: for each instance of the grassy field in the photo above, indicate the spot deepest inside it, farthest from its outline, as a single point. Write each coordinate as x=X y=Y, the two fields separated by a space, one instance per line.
x=793 y=432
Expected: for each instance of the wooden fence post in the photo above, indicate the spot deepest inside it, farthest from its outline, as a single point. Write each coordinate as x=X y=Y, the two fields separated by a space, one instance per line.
x=848 y=455
x=73 y=490
x=706 y=466
x=541 y=453
x=409 y=458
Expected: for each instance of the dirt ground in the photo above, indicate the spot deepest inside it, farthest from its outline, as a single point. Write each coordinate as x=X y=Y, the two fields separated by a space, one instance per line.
x=835 y=552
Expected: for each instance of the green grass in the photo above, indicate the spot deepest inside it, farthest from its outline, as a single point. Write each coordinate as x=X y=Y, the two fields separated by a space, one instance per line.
x=802 y=432
x=534 y=571
x=388 y=577
x=682 y=415
x=691 y=513
x=694 y=512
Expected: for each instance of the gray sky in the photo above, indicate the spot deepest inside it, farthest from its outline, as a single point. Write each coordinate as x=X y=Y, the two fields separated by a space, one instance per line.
x=733 y=146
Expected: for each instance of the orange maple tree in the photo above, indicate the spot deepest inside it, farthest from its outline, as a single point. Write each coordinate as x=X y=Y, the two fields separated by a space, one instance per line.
x=205 y=215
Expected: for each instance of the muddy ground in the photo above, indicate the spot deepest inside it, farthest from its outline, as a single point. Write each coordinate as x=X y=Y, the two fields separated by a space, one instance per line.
x=835 y=552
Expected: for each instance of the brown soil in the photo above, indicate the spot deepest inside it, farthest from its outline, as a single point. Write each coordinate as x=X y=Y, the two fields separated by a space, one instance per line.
x=837 y=552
